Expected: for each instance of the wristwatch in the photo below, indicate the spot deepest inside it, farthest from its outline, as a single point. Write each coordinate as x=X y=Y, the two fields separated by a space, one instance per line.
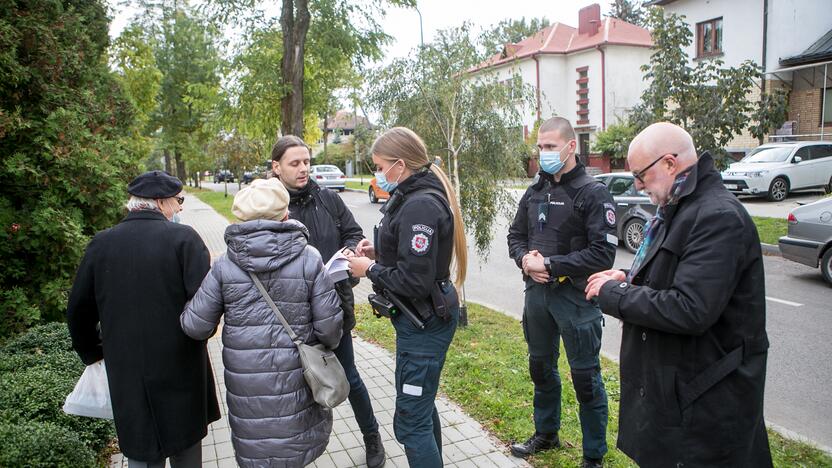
x=547 y=264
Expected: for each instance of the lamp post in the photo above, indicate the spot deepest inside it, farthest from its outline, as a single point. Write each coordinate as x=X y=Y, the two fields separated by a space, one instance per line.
x=421 y=33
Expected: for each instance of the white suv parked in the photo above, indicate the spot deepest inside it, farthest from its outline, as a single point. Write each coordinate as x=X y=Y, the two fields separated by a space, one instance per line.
x=775 y=169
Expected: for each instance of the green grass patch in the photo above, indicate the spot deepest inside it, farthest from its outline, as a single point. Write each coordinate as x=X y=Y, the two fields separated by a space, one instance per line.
x=486 y=373
x=218 y=201
x=357 y=185
x=770 y=229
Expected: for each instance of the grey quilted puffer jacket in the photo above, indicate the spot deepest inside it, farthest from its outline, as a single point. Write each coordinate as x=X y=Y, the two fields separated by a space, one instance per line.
x=274 y=420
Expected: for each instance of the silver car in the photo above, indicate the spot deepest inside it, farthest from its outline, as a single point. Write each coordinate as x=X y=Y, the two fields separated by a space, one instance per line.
x=327 y=175
x=809 y=240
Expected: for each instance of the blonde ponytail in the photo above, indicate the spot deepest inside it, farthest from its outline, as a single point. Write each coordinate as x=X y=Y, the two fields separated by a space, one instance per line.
x=460 y=241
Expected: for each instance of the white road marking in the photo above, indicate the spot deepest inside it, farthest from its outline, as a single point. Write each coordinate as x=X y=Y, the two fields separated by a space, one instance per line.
x=781 y=301
x=351 y=206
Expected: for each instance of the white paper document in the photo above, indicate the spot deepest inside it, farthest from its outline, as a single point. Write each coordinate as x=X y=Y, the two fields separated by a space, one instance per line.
x=338 y=267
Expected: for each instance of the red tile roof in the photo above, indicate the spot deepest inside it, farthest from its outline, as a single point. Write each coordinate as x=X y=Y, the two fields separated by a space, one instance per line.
x=563 y=39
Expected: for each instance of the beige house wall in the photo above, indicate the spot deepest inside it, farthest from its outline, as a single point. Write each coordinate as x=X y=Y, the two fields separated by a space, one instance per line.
x=804 y=108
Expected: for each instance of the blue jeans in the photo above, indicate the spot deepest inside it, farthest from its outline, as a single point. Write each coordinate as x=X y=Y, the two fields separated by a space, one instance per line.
x=420 y=356
x=359 y=398
x=555 y=312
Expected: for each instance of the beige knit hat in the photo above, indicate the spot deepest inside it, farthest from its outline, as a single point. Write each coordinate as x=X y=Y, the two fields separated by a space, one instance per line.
x=263 y=199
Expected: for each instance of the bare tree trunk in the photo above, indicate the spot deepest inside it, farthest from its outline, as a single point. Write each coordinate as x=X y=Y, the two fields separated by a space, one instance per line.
x=294 y=28
x=167 y=161
x=180 y=165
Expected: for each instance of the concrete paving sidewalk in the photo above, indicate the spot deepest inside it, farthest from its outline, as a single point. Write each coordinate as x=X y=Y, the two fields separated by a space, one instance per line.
x=465 y=442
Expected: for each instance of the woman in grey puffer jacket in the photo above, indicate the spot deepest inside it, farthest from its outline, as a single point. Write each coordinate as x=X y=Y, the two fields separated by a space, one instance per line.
x=274 y=419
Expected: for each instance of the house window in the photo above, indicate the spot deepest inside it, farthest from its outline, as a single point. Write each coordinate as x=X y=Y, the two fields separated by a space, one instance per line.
x=514 y=87
x=826 y=102
x=709 y=38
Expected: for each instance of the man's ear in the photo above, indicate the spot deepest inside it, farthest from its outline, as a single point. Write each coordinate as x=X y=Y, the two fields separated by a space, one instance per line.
x=275 y=165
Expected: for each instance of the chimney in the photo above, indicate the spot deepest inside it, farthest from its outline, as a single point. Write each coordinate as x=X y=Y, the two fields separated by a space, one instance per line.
x=589 y=19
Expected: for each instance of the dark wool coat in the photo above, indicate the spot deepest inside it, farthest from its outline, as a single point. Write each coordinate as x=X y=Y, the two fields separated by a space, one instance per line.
x=135 y=278
x=694 y=345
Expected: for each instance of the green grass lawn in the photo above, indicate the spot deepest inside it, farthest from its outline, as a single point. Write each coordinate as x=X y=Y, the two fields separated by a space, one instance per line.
x=217 y=200
x=486 y=373
x=357 y=185
x=770 y=229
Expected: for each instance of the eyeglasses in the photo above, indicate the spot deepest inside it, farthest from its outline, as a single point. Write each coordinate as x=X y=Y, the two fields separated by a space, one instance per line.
x=181 y=200
x=639 y=174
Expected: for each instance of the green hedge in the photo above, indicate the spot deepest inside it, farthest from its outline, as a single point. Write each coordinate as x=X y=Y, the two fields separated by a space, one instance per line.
x=38 y=369
x=42 y=444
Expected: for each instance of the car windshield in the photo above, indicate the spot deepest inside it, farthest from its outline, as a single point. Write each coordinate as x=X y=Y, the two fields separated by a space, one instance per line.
x=770 y=154
x=327 y=169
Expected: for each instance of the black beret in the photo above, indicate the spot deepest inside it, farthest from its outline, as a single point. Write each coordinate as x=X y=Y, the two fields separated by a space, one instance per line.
x=155 y=184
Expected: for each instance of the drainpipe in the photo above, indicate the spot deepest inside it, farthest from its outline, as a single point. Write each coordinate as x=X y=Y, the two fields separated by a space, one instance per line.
x=765 y=43
x=603 y=89
x=537 y=90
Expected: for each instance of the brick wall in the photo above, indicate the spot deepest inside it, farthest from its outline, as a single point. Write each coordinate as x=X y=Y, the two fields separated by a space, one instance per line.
x=804 y=107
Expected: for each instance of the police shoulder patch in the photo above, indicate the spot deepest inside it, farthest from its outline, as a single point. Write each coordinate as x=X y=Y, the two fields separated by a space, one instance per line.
x=609 y=217
x=420 y=243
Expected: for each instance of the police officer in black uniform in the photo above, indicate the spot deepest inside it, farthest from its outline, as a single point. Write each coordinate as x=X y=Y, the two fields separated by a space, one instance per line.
x=564 y=230
x=331 y=227
x=419 y=234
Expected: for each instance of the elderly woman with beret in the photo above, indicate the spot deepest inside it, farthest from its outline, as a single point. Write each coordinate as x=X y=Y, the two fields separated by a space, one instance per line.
x=273 y=417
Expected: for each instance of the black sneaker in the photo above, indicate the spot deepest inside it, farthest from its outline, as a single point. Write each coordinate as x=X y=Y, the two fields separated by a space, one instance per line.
x=375 y=450
x=592 y=463
x=536 y=443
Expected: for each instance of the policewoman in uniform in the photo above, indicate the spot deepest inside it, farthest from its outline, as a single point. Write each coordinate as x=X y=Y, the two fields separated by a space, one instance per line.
x=410 y=261
x=331 y=227
x=564 y=230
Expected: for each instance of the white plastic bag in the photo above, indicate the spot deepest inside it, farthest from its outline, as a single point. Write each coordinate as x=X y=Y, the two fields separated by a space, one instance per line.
x=91 y=395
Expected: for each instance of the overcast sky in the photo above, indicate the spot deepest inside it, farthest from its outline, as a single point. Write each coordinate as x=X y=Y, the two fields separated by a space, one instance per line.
x=403 y=24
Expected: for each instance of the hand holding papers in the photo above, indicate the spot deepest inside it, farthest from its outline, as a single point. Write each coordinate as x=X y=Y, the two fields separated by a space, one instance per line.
x=338 y=267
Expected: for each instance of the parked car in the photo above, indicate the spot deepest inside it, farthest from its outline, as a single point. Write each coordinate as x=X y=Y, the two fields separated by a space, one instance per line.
x=376 y=193
x=632 y=208
x=223 y=175
x=248 y=176
x=776 y=169
x=809 y=239
x=328 y=176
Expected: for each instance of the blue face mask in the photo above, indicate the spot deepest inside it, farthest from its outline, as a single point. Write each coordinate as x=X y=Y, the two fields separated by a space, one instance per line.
x=383 y=183
x=550 y=161
x=176 y=219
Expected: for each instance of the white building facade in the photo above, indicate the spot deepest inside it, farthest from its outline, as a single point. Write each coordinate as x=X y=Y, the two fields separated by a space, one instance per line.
x=590 y=75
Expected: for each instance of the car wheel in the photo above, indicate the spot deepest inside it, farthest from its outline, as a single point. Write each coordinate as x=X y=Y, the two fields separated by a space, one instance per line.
x=828 y=189
x=778 y=190
x=826 y=265
x=341 y=189
x=633 y=234
x=373 y=197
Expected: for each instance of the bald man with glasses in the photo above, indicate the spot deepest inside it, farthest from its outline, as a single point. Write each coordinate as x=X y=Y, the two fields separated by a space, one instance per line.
x=694 y=345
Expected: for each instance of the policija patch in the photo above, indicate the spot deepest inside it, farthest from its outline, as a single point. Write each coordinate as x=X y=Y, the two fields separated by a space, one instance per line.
x=419 y=243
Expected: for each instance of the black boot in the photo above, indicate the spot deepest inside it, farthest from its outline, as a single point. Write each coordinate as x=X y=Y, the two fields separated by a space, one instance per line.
x=592 y=463
x=536 y=443
x=375 y=450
